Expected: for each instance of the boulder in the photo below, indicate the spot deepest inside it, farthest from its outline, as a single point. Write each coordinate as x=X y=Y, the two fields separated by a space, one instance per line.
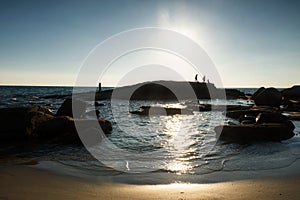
x=14 y=121
x=63 y=130
x=39 y=123
x=257 y=92
x=66 y=108
x=35 y=119
x=61 y=127
x=268 y=97
x=292 y=93
x=251 y=133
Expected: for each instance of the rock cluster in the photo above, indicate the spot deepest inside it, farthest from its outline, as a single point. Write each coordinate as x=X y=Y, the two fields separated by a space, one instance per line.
x=265 y=120
x=41 y=124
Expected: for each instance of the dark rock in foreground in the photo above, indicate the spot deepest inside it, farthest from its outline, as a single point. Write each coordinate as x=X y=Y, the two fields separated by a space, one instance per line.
x=39 y=124
x=62 y=129
x=34 y=119
x=248 y=133
x=265 y=126
x=14 y=121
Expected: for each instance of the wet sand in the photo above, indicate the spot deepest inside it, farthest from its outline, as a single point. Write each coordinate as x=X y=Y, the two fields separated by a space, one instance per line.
x=22 y=182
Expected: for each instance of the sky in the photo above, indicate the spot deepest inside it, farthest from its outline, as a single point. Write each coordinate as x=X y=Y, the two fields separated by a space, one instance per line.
x=251 y=43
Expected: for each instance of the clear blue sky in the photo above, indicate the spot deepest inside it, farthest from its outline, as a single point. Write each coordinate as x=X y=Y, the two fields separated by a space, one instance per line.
x=252 y=43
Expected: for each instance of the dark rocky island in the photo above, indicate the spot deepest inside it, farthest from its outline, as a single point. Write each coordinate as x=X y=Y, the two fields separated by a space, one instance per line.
x=170 y=90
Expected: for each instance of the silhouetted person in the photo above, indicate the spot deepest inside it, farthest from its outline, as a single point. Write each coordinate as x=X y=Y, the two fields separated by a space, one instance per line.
x=99 y=87
x=203 y=79
x=196 y=78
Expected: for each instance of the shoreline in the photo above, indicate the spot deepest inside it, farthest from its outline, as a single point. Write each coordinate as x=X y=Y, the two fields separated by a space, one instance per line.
x=23 y=182
x=156 y=177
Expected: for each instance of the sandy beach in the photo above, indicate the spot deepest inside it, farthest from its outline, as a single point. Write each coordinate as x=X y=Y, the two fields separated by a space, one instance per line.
x=24 y=182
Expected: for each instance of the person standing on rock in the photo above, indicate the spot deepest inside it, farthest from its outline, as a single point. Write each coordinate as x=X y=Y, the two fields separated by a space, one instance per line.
x=196 y=78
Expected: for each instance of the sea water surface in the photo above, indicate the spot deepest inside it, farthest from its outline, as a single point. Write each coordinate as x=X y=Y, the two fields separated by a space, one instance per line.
x=151 y=150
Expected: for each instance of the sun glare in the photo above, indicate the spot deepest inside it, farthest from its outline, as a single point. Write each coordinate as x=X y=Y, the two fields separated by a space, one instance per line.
x=179 y=23
x=187 y=31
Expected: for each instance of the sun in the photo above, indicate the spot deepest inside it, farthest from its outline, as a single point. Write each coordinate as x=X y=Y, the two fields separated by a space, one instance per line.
x=187 y=31
x=179 y=23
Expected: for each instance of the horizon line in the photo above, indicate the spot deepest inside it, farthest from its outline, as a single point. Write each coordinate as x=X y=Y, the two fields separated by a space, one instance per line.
x=25 y=85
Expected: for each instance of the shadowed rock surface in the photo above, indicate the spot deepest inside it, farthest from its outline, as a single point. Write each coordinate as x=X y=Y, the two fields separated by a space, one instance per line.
x=265 y=127
x=249 y=133
x=14 y=121
x=210 y=107
x=62 y=129
x=39 y=124
x=254 y=111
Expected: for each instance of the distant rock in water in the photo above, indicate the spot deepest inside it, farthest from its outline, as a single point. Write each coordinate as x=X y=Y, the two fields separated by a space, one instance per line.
x=157 y=110
x=211 y=107
x=67 y=110
x=267 y=97
x=235 y=94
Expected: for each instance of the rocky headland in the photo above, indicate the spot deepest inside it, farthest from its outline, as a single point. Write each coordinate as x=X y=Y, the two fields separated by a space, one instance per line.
x=170 y=90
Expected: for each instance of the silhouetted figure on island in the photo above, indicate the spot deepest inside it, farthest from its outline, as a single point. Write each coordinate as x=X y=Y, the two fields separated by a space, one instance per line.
x=203 y=79
x=196 y=78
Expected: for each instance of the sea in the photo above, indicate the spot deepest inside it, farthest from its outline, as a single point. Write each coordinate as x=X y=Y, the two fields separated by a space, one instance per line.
x=150 y=149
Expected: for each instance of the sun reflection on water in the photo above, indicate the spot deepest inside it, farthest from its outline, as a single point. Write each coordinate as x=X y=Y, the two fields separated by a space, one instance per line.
x=178 y=145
